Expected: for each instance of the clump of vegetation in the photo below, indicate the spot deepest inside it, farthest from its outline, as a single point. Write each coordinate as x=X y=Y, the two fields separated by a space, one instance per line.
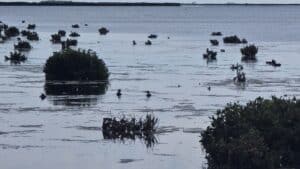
x=124 y=128
x=32 y=36
x=74 y=34
x=240 y=76
x=249 y=53
x=69 y=42
x=214 y=42
x=210 y=55
x=24 y=32
x=237 y=67
x=75 y=26
x=31 y=26
x=103 y=31
x=16 y=57
x=216 y=34
x=152 y=36
x=62 y=33
x=75 y=65
x=55 y=38
x=148 y=43
x=263 y=134
x=273 y=63
x=234 y=39
x=23 y=46
x=12 y=31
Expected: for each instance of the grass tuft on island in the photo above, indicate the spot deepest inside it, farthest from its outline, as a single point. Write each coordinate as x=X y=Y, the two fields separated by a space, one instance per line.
x=263 y=134
x=78 y=65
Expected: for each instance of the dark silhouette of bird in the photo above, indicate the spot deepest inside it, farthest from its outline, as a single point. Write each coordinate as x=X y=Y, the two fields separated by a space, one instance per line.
x=43 y=96
x=133 y=42
x=209 y=88
x=119 y=94
x=148 y=93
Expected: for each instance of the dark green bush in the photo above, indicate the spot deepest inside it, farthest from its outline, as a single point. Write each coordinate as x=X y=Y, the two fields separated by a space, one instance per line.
x=75 y=65
x=32 y=36
x=264 y=134
x=23 y=46
x=234 y=39
x=12 y=31
x=249 y=53
x=61 y=33
x=31 y=26
x=55 y=38
x=74 y=34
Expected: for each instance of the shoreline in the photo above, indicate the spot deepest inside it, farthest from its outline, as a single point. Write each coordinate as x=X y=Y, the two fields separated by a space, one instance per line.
x=70 y=3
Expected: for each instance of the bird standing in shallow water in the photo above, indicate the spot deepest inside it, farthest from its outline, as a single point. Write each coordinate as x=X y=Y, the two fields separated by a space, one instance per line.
x=148 y=93
x=209 y=88
x=119 y=94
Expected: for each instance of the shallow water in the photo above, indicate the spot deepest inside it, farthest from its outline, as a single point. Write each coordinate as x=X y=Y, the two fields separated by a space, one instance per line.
x=64 y=131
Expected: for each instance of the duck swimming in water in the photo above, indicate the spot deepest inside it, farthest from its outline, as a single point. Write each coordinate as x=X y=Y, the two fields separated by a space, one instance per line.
x=43 y=96
x=119 y=94
x=148 y=93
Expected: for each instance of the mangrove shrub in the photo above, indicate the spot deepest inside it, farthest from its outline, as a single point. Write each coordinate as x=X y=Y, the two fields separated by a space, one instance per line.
x=75 y=65
x=263 y=134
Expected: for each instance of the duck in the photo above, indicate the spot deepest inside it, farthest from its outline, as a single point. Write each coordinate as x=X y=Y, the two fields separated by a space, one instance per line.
x=43 y=96
x=119 y=94
x=148 y=93
x=133 y=42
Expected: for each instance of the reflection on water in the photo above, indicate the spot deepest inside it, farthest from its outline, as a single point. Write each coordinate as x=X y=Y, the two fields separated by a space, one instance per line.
x=148 y=139
x=74 y=93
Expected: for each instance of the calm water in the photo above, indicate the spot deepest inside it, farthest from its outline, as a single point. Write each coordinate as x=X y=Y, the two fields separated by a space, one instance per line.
x=64 y=131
